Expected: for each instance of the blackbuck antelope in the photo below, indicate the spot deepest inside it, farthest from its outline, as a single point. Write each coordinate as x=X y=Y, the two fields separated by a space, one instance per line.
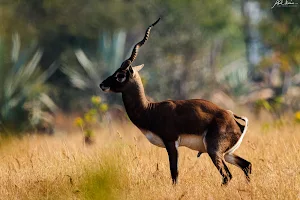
x=196 y=123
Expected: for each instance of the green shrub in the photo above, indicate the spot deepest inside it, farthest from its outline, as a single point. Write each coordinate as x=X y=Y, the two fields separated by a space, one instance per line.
x=105 y=180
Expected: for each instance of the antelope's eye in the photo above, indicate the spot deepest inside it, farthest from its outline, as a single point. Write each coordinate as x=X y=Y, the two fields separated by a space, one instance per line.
x=120 y=77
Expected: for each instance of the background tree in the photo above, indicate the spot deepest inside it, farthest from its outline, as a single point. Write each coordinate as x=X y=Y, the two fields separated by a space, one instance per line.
x=199 y=50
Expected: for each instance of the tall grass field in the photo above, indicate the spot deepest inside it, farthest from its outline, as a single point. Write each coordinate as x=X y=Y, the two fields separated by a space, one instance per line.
x=122 y=164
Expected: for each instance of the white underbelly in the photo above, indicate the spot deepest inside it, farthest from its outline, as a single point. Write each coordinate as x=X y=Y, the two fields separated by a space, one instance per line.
x=194 y=142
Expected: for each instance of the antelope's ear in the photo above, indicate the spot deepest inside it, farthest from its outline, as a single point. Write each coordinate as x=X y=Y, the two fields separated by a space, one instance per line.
x=138 y=68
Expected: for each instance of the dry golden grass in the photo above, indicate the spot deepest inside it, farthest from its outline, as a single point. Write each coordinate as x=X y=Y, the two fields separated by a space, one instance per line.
x=122 y=164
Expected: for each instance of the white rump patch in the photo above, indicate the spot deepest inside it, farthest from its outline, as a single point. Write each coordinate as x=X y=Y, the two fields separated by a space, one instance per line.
x=239 y=142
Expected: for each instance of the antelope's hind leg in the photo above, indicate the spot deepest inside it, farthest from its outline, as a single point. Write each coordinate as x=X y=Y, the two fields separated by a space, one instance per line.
x=218 y=160
x=216 y=145
x=245 y=165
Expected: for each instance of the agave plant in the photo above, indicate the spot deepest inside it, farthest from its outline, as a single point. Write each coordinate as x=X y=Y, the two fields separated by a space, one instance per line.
x=22 y=83
x=109 y=55
x=235 y=76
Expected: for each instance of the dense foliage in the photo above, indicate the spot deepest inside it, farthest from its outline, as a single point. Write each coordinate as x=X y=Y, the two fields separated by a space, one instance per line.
x=198 y=50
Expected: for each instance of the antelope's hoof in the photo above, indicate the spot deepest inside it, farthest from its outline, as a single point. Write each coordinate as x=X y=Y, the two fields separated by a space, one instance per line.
x=225 y=181
x=199 y=154
x=174 y=182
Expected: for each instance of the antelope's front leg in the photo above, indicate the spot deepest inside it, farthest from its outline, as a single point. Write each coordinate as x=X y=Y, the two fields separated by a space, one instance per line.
x=173 y=159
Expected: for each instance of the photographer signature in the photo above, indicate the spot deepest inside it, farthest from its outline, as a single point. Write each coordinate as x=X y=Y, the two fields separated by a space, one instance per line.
x=281 y=3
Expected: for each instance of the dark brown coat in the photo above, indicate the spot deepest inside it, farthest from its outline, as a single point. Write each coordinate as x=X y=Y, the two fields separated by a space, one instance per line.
x=196 y=123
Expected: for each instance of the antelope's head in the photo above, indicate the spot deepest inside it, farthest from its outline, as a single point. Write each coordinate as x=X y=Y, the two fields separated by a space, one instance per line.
x=125 y=75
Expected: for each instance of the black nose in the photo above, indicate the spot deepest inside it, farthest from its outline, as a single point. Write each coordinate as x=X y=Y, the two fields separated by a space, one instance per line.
x=101 y=85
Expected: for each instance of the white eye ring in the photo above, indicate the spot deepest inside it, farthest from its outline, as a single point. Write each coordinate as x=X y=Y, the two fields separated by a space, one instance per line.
x=121 y=80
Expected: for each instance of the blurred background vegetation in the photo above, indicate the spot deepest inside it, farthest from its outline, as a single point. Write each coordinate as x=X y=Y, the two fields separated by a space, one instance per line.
x=54 y=54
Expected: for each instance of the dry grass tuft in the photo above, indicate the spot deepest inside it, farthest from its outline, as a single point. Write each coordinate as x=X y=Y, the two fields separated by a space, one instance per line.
x=122 y=164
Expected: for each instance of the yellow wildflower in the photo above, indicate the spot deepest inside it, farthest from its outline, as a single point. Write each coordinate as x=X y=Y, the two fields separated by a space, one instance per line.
x=96 y=100
x=297 y=116
x=92 y=112
x=79 y=122
x=89 y=118
x=103 y=107
x=88 y=133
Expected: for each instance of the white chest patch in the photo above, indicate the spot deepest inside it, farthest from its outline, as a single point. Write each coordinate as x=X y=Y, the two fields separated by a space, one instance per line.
x=154 y=139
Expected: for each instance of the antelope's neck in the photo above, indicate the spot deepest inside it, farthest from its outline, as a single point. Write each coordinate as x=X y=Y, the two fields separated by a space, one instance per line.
x=136 y=104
